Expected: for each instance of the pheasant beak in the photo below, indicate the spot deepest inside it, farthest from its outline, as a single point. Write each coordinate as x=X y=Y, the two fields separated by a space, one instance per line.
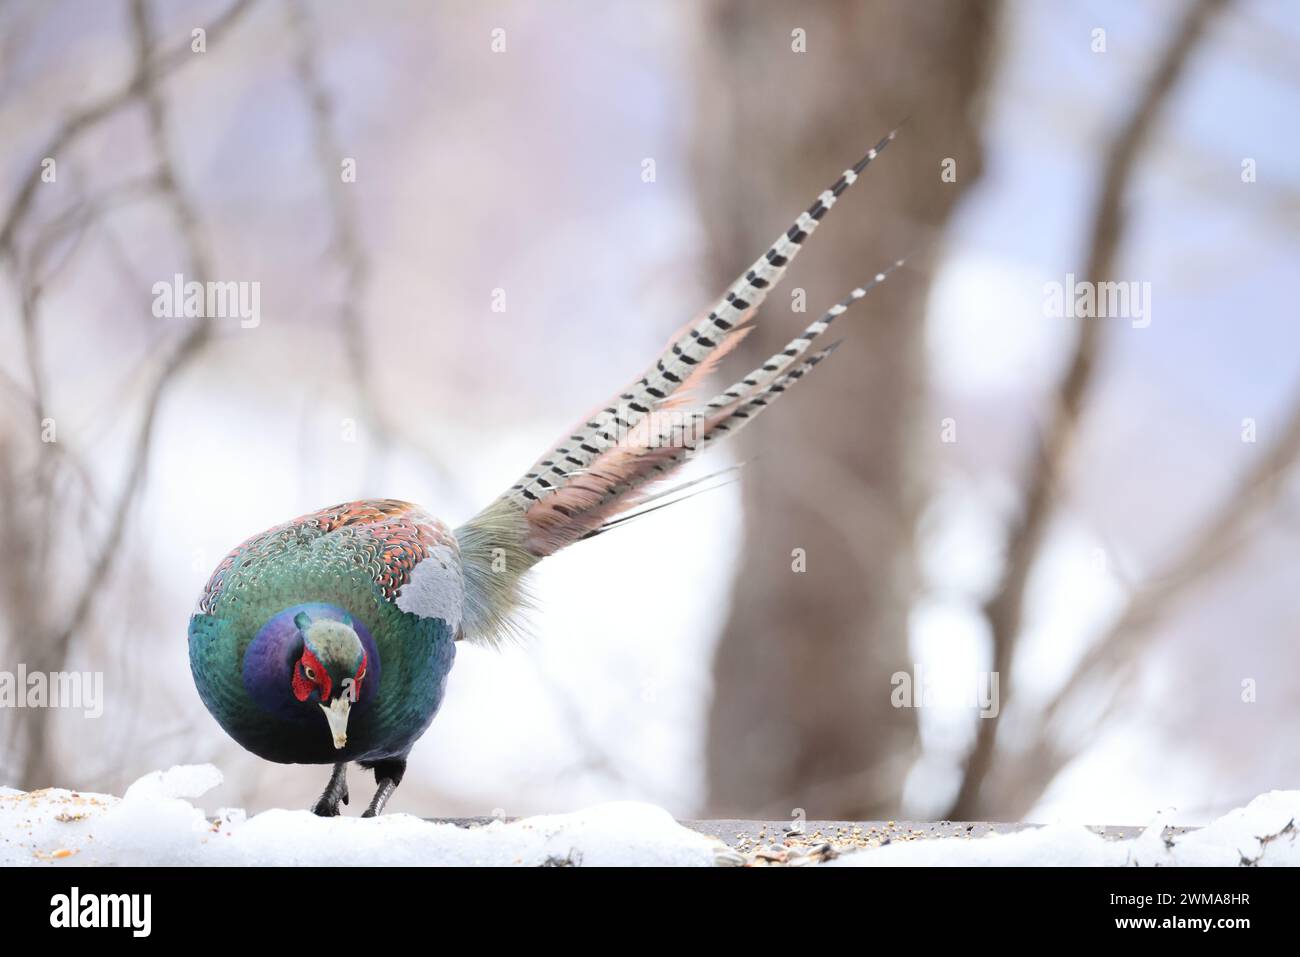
x=336 y=713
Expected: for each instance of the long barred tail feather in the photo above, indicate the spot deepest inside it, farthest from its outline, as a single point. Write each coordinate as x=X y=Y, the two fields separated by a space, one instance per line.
x=647 y=498
x=602 y=428
x=689 y=348
x=611 y=487
x=733 y=422
x=723 y=413
x=798 y=345
x=769 y=374
x=673 y=496
x=596 y=477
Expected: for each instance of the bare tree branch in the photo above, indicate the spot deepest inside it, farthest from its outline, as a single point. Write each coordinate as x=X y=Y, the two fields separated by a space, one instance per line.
x=348 y=248
x=151 y=71
x=1108 y=667
x=1005 y=607
x=38 y=762
x=1218 y=540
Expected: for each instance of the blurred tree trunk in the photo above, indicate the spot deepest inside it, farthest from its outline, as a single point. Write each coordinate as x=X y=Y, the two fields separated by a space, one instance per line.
x=801 y=716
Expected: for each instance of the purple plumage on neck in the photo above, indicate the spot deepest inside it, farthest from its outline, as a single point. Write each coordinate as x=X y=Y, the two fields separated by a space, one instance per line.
x=268 y=662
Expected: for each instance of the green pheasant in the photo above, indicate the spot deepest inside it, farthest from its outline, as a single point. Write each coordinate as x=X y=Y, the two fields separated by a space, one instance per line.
x=329 y=639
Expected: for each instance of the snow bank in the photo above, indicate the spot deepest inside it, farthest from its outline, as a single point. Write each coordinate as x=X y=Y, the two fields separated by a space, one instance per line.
x=1263 y=832
x=155 y=823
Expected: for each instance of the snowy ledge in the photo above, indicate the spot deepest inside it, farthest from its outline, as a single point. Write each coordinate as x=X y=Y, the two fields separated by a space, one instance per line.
x=155 y=823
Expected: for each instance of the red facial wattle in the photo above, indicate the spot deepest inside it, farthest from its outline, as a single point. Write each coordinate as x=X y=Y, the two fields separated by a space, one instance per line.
x=303 y=686
x=356 y=680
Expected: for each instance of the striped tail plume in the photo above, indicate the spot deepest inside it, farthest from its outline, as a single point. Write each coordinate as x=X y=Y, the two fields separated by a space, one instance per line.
x=591 y=480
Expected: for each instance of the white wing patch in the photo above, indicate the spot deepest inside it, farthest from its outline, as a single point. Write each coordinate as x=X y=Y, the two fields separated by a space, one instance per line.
x=436 y=588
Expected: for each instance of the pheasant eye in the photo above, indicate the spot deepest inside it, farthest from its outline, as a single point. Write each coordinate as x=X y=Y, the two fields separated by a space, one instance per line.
x=307 y=670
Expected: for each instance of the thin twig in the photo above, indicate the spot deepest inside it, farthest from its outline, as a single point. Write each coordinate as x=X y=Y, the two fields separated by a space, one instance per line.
x=90 y=116
x=187 y=220
x=56 y=649
x=348 y=249
x=1216 y=542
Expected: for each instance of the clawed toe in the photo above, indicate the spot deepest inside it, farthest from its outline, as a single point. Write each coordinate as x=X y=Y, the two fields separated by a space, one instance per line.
x=327 y=805
x=323 y=808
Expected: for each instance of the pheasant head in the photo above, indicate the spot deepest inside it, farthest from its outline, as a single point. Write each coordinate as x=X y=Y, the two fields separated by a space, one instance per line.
x=314 y=663
x=330 y=670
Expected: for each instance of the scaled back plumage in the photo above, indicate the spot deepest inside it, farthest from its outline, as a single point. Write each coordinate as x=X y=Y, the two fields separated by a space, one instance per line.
x=359 y=558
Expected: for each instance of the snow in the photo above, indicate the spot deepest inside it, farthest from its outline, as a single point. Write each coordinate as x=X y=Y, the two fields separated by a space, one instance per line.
x=1263 y=832
x=155 y=822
